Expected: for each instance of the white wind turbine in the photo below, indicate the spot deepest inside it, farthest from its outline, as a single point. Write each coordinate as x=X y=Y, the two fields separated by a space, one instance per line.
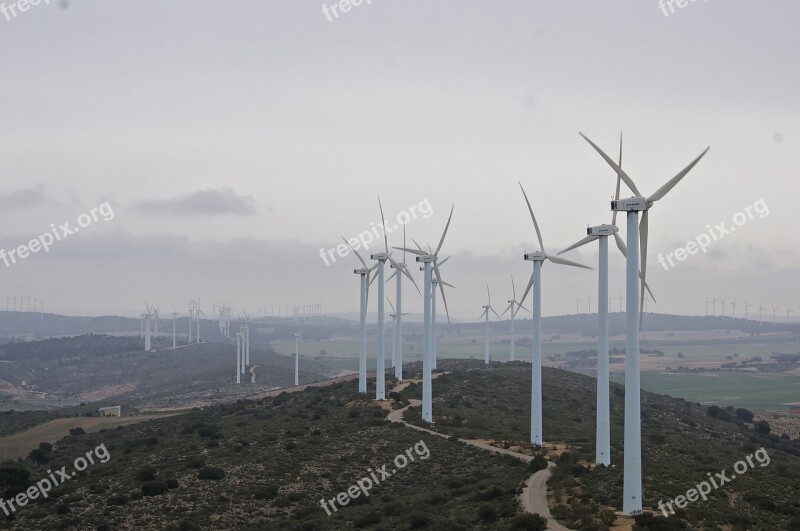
x=513 y=305
x=239 y=364
x=429 y=265
x=774 y=316
x=397 y=342
x=190 y=309
x=436 y=281
x=538 y=258
x=174 y=324
x=746 y=311
x=297 y=359
x=637 y=236
x=600 y=233
x=246 y=338
x=147 y=320
x=486 y=308
x=395 y=318
x=363 y=273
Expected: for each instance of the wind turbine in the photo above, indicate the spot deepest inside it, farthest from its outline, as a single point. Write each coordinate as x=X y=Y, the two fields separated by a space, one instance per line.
x=297 y=359
x=513 y=305
x=239 y=364
x=147 y=317
x=395 y=317
x=397 y=342
x=246 y=338
x=428 y=261
x=733 y=306
x=760 y=309
x=774 y=314
x=632 y=486
x=788 y=311
x=364 y=273
x=190 y=308
x=601 y=233
x=538 y=258
x=485 y=313
x=436 y=281
x=746 y=313
x=174 y=319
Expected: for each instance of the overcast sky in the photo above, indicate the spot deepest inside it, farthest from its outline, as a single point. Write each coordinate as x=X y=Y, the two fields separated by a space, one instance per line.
x=234 y=140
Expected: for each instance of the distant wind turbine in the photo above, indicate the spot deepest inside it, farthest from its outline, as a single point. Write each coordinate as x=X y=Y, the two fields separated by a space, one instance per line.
x=364 y=273
x=486 y=308
x=514 y=306
x=538 y=258
x=397 y=343
x=429 y=266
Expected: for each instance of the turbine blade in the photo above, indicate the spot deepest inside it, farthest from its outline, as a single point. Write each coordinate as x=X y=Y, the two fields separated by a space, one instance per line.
x=392 y=275
x=494 y=312
x=383 y=224
x=535 y=225
x=488 y=295
x=390 y=305
x=669 y=185
x=564 y=261
x=412 y=251
x=521 y=306
x=620 y=173
x=525 y=294
x=584 y=241
x=406 y=273
x=354 y=251
x=513 y=288
x=444 y=300
x=621 y=244
x=508 y=308
x=619 y=181
x=441 y=242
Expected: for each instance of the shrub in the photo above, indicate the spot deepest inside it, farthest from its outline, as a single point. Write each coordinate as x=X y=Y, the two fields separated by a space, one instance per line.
x=762 y=427
x=211 y=472
x=77 y=431
x=154 y=488
x=117 y=499
x=196 y=462
x=529 y=522
x=418 y=521
x=172 y=483
x=487 y=513
x=146 y=473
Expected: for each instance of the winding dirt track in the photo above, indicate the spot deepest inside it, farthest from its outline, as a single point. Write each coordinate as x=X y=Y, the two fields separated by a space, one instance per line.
x=534 y=495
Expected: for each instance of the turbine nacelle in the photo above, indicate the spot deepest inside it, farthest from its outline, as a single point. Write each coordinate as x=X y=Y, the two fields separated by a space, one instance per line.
x=362 y=271
x=380 y=256
x=631 y=204
x=428 y=258
x=536 y=256
x=601 y=230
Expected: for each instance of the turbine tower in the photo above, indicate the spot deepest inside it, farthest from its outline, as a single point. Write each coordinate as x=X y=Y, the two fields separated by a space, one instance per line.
x=429 y=265
x=514 y=306
x=485 y=313
x=296 y=360
x=238 y=358
x=632 y=485
x=364 y=273
x=538 y=258
x=174 y=319
x=147 y=320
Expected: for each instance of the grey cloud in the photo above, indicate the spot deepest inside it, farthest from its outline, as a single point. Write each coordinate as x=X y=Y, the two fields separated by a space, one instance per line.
x=208 y=202
x=22 y=198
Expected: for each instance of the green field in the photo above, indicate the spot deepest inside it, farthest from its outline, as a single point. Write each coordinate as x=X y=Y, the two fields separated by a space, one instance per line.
x=750 y=390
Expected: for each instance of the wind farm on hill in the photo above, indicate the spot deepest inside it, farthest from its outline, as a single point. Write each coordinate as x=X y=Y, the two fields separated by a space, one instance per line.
x=408 y=267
